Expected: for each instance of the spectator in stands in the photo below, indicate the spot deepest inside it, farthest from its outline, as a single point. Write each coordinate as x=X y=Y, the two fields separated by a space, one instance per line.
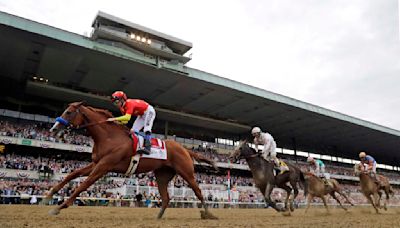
x=145 y=116
x=269 y=150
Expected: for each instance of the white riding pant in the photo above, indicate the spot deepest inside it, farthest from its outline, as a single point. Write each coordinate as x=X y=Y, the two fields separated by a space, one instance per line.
x=271 y=155
x=373 y=168
x=145 y=121
x=322 y=173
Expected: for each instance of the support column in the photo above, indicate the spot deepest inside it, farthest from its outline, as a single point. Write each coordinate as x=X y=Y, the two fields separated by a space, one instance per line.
x=166 y=129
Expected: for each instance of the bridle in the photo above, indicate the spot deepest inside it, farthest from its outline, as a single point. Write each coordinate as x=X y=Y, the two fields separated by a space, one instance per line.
x=73 y=115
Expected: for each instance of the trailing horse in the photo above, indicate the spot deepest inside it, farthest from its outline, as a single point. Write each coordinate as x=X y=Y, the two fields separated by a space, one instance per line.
x=263 y=174
x=112 y=152
x=370 y=188
x=317 y=188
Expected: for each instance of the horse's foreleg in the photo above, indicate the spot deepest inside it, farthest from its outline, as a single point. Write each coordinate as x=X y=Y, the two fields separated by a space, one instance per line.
x=163 y=177
x=267 y=196
x=325 y=204
x=309 y=198
x=98 y=171
x=76 y=173
x=372 y=202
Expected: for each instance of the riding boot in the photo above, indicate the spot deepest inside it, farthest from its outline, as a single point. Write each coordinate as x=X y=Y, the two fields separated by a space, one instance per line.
x=147 y=144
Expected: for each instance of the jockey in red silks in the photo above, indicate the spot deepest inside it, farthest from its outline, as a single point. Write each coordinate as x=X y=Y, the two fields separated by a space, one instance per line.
x=134 y=107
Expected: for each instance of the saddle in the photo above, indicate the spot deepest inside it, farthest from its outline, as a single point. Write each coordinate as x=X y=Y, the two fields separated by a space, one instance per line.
x=158 y=151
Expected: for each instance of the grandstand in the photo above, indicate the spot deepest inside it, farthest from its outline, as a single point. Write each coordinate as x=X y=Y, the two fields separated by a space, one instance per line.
x=43 y=68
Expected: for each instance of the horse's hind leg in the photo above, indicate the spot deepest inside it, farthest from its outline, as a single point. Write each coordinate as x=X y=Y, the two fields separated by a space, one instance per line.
x=188 y=176
x=296 y=193
x=76 y=173
x=163 y=177
x=337 y=200
x=288 y=194
x=344 y=196
x=387 y=190
x=377 y=198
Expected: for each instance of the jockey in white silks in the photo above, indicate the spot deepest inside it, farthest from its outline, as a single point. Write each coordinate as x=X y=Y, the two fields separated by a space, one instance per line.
x=269 y=150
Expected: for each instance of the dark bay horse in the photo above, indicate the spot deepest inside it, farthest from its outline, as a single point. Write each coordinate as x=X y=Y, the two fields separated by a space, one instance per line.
x=264 y=177
x=317 y=188
x=370 y=188
x=113 y=150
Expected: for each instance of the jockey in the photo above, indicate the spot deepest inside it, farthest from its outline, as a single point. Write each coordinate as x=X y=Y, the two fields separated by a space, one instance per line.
x=368 y=164
x=145 y=115
x=269 y=150
x=317 y=167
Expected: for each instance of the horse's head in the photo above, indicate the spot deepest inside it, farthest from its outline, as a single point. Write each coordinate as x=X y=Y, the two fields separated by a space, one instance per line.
x=357 y=169
x=71 y=117
x=243 y=150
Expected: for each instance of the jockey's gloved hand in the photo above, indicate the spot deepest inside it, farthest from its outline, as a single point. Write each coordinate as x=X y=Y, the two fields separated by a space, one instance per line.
x=110 y=119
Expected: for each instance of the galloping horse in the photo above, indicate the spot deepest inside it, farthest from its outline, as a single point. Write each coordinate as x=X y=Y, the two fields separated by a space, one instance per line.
x=264 y=177
x=317 y=187
x=369 y=187
x=112 y=151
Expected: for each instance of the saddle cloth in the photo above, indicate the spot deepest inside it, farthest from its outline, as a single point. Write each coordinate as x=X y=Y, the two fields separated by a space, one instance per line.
x=158 y=149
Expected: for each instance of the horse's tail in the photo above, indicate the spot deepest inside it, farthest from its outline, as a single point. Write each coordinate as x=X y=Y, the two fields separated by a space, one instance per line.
x=201 y=158
x=304 y=183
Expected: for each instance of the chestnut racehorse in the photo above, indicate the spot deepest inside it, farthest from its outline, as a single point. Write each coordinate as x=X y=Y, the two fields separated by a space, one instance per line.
x=112 y=151
x=317 y=188
x=371 y=190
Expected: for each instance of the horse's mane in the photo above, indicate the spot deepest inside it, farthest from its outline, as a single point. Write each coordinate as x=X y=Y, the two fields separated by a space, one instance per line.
x=104 y=112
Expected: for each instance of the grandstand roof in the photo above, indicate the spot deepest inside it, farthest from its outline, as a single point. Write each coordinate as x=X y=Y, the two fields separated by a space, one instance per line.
x=74 y=64
x=178 y=45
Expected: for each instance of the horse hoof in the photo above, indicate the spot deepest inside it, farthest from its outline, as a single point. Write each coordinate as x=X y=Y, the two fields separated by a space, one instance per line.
x=54 y=211
x=286 y=213
x=207 y=215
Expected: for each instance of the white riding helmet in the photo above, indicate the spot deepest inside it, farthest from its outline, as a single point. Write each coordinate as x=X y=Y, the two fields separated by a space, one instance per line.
x=310 y=159
x=255 y=130
x=362 y=155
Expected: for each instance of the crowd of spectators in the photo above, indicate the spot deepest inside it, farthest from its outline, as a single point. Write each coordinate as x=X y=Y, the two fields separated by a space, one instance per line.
x=40 y=131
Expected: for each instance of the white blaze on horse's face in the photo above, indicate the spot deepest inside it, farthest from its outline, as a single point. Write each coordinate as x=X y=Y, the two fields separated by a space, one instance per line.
x=235 y=154
x=357 y=169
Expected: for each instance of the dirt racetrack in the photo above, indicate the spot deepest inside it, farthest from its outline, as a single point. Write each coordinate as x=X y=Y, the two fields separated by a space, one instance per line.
x=36 y=216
